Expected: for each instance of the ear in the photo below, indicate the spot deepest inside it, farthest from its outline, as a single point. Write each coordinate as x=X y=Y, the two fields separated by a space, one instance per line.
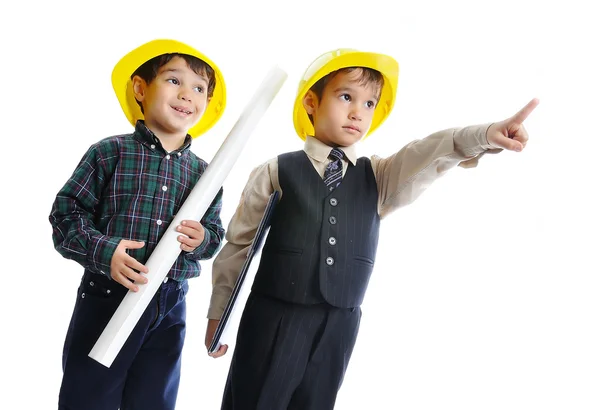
x=139 y=88
x=310 y=102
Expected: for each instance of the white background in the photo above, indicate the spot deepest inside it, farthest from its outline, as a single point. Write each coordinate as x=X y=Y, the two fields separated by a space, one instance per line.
x=486 y=290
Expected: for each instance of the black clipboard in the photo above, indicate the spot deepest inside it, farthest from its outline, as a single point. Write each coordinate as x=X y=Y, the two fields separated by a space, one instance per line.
x=261 y=231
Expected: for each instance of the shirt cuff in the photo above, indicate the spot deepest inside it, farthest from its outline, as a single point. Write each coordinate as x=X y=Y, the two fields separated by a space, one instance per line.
x=197 y=253
x=100 y=253
x=472 y=140
x=218 y=301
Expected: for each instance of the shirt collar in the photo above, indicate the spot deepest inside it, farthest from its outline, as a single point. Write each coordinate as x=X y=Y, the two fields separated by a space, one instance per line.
x=144 y=135
x=319 y=151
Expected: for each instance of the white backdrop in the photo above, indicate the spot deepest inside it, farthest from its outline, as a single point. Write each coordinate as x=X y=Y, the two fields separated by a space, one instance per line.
x=485 y=292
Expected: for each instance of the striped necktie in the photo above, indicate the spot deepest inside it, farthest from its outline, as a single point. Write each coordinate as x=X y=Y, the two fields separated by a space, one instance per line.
x=333 y=171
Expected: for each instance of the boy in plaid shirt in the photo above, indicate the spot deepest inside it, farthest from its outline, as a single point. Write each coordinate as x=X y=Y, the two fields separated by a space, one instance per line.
x=111 y=214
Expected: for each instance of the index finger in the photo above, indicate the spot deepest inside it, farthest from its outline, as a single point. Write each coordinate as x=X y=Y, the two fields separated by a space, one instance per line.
x=135 y=264
x=522 y=115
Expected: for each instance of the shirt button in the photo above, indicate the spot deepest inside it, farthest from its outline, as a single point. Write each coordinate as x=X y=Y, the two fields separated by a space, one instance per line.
x=332 y=220
x=166 y=280
x=329 y=261
x=179 y=154
x=332 y=241
x=333 y=202
x=168 y=157
x=164 y=188
x=91 y=283
x=159 y=222
x=152 y=146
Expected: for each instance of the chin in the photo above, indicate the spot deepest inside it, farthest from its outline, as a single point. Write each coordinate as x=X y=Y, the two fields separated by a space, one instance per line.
x=181 y=126
x=176 y=129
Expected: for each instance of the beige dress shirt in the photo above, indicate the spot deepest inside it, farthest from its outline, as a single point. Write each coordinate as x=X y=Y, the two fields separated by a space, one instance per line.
x=400 y=178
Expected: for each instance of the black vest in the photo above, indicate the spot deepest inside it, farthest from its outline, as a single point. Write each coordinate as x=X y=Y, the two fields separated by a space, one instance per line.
x=321 y=246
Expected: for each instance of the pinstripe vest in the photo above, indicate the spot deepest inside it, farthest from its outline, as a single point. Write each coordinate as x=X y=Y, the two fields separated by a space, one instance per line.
x=321 y=246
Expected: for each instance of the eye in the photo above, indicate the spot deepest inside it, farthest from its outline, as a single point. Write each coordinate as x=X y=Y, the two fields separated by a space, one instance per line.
x=346 y=97
x=173 y=81
x=199 y=89
x=370 y=104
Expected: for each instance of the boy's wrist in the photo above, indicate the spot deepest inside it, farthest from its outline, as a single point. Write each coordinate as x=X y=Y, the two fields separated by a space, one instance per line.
x=203 y=245
x=100 y=253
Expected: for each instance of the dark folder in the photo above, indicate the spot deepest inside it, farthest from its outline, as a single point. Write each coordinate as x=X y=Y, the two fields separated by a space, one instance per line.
x=261 y=232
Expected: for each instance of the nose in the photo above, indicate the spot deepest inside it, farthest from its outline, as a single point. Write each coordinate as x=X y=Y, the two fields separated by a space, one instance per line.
x=355 y=114
x=185 y=95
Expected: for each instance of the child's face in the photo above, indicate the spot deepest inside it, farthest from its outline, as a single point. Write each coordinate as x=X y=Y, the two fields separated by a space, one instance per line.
x=175 y=100
x=344 y=113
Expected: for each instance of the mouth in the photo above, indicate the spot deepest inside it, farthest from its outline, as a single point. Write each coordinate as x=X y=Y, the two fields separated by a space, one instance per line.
x=184 y=111
x=352 y=128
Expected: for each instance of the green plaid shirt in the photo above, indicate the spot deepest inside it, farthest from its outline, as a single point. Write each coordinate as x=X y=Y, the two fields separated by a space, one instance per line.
x=129 y=187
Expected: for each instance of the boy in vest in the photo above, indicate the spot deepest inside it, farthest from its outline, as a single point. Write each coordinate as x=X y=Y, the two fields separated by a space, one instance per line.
x=113 y=211
x=301 y=320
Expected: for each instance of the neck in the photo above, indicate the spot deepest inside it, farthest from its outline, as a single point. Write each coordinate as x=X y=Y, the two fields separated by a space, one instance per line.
x=169 y=140
x=171 y=143
x=325 y=141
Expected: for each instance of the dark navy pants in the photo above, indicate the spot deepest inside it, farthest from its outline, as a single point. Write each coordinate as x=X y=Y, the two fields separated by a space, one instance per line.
x=290 y=356
x=145 y=373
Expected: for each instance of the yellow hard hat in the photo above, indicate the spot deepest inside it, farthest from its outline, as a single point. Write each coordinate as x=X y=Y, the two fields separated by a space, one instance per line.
x=121 y=81
x=342 y=58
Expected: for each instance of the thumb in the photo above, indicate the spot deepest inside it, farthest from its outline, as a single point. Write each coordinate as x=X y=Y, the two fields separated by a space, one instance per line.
x=509 y=144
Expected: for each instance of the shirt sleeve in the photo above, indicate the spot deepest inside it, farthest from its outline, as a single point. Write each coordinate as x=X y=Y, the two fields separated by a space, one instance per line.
x=402 y=177
x=241 y=231
x=73 y=213
x=213 y=231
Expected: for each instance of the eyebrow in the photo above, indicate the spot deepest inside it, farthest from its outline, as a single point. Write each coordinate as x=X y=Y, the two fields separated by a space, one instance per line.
x=178 y=71
x=173 y=70
x=340 y=89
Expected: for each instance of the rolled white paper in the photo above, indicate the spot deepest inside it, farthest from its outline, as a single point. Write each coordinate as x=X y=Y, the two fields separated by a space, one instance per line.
x=168 y=249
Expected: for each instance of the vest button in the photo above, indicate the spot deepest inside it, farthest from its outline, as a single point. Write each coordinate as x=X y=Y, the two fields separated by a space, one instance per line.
x=329 y=261
x=333 y=202
x=332 y=220
x=332 y=241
